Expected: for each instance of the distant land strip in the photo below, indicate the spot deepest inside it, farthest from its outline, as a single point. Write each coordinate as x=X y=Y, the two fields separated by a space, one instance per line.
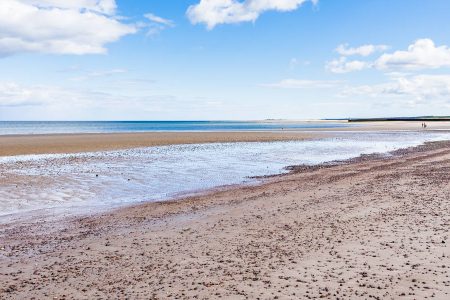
x=423 y=119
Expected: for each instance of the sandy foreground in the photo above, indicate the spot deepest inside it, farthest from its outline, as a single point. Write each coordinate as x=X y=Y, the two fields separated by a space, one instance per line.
x=371 y=228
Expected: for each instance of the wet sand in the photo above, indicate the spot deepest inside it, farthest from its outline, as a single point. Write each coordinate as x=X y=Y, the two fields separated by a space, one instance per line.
x=73 y=143
x=370 y=228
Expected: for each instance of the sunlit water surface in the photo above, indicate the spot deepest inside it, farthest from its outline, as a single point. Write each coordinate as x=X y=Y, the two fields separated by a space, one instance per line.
x=105 y=179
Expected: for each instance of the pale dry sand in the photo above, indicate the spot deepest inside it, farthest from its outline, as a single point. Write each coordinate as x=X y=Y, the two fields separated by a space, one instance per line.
x=372 y=228
x=391 y=126
x=72 y=143
x=372 y=126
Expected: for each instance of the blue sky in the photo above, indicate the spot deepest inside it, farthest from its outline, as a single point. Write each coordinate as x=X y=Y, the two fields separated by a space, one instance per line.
x=223 y=59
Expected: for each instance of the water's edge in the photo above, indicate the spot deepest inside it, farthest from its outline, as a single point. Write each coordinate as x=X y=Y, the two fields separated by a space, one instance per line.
x=250 y=174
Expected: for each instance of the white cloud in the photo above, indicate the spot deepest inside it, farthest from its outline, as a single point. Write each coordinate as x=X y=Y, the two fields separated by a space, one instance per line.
x=342 y=65
x=418 y=87
x=364 y=50
x=400 y=68
x=48 y=96
x=302 y=84
x=157 y=24
x=96 y=74
x=60 y=27
x=423 y=54
x=215 y=12
x=156 y=19
x=107 y=7
x=13 y=94
x=49 y=102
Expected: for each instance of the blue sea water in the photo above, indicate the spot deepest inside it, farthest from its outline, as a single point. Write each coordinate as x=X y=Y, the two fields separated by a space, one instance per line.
x=49 y=127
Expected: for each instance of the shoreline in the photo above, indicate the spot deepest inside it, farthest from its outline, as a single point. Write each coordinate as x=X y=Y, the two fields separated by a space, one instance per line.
x=78 y=143
x=11 y=145
x=255 y=241
x=292 y=171
x=256 y=180
x=73 y=212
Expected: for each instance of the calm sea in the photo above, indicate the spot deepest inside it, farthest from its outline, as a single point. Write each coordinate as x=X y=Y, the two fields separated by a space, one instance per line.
x=47 y=127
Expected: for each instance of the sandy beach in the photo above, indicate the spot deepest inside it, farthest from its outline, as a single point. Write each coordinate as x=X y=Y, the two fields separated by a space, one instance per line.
x=224 y=149
x=73 y=143
x=89 y=142
x=369 y=228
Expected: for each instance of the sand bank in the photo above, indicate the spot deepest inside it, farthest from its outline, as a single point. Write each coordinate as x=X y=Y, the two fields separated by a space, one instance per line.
x=73 y=143
x=371 y=228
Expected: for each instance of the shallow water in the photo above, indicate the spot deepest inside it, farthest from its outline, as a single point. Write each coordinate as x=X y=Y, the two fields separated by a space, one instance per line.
x=52 y=127
x=106 y=179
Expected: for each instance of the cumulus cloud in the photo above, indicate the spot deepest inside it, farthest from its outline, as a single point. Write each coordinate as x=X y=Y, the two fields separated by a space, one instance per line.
x=400 y=68
x=303 y=83
x=364 y=50
x=59 y=27
x=215 y=12
x=419 y=87
x=423 y=54
x=342 y=65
